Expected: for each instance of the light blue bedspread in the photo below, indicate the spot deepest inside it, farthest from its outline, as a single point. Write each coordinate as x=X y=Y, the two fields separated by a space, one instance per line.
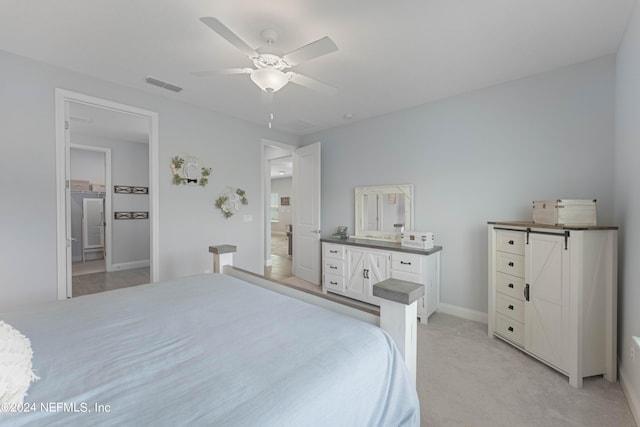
x=209 y=350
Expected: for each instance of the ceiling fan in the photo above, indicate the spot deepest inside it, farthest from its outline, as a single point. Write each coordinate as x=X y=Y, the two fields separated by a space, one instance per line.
x=271 y=72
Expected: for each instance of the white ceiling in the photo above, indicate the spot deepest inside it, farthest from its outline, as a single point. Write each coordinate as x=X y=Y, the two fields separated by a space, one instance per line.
x=282 y=167
x=391 y=54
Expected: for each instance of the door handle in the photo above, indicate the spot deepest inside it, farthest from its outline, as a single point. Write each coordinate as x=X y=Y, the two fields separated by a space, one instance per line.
x=526 y=292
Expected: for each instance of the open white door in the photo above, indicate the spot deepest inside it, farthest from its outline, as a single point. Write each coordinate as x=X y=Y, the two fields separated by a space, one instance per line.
x=306 y=213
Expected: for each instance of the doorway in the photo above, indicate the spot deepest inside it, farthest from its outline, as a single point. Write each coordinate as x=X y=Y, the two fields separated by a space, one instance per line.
x=121 y=134
x=295 y=216
x=280 y=217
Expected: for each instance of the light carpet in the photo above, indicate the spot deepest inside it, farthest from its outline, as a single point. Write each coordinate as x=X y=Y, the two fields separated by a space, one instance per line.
x=466 y=378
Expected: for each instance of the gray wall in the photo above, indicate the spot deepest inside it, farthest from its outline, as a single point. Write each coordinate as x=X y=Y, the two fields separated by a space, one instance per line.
x=188 y=220
x=627 y=197
x=481 y=156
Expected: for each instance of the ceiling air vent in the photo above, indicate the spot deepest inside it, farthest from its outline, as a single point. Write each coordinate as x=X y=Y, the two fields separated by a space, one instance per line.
x=300 y=126
x=162 y=84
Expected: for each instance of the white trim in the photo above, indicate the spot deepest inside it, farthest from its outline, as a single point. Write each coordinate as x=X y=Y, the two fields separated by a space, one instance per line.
x=465 y=313
x=632 y=397
x=62 y=98
x=131 y=265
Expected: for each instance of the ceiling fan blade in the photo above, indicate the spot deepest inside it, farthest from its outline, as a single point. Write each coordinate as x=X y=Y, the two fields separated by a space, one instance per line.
x=310 y=83
x=266 y=98
x=312 y=50
x=228 y=35
x=210 y=73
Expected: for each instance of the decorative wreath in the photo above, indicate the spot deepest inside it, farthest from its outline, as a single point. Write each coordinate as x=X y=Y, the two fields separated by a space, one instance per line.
x=231 y=201
x=185 y=171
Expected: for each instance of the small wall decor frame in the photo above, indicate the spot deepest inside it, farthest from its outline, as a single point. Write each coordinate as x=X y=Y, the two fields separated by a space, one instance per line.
x=131 y=215
x=285 y=201
x=127 y=189
x=230 y=201
x=186 y=170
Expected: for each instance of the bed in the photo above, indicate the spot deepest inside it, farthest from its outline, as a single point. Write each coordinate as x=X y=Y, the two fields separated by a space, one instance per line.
x=208 y=350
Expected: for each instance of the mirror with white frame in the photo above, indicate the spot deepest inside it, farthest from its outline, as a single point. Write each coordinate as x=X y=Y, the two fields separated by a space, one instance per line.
x=382 y=212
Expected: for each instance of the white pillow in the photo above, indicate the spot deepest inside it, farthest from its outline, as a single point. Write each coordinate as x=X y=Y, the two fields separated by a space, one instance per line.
x=16 y=374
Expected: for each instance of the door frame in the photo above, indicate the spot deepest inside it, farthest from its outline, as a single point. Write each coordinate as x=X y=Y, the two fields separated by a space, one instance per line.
x=107 y=200
x=62 y=100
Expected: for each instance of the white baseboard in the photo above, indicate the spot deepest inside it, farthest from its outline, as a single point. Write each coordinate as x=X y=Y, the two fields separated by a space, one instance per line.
x=632 y=397
x=129 y=265
x=465 y=313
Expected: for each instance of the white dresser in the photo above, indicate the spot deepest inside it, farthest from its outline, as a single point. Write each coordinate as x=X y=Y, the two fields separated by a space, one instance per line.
x=351 y=267
x=553 y=293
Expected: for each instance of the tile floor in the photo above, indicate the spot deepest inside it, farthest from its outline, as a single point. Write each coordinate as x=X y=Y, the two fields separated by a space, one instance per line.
x=92 y=283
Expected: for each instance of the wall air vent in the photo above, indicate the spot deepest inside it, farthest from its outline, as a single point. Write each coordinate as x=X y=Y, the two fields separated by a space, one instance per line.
x=162 y=84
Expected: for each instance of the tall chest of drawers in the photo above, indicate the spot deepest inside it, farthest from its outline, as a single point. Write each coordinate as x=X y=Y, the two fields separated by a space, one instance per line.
x=351 y=267
x=510 y=285
x=552 y=294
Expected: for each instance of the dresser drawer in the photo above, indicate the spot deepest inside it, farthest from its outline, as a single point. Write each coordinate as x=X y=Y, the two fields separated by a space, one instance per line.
x=510 y=263
x=408 y=263
x=510 y=241
x=333 y=251
x=333 y=267
x=510 y=285
x=333 y=283
x=510 y=329
x=510 y=307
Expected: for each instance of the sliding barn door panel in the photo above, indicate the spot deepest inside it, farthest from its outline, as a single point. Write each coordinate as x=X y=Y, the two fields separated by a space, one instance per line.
x=546 y=274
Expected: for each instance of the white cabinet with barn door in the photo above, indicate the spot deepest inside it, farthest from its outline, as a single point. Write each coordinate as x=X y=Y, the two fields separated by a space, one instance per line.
x=552 y=293
x=352 y=266
x=365 y=268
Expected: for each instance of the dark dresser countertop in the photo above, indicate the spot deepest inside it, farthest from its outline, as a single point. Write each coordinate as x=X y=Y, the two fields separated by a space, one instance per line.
x=379 y=244
x=556 y=227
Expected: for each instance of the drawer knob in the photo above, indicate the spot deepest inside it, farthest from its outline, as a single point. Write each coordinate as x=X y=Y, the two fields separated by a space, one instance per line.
x=510 y=307
x=510 y=328
x=333 y=283
x=510 y=264
x=333 y=252
x=511 y=242
x=333 y=267
x=405 y=263
x=511 y=285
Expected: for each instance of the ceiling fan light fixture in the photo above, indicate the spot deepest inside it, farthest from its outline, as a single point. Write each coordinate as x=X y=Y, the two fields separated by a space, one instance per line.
x=269 y=79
